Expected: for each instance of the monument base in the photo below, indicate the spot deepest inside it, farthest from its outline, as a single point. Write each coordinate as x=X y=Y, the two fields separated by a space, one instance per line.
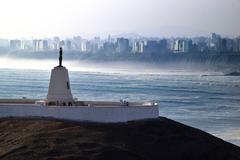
x=59 y=92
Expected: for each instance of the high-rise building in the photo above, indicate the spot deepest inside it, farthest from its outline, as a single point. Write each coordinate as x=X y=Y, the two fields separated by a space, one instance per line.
x=62 y=43
x=15 y=44
x=163 y=45
x=236 y=45
x=229 y=45
x=110 y=39
x=187 y=45
x=97 y=40
x=68 y=45
x=182 y=46
x=216 y=42
x=223 y=45
x=40 y=45
x=26 y=45
x=226 y=45
x=152 y=46
x=200 y=44
x=76 y=43
x=36 y=45
x=4 y=43
x=123 y=45
x=109 y=47
x=91 y=46
x=88 y=46
x=55 y=43
x=43 y=45
x=83 y=47
x=97 y=44
x=156 y=47
x=138 y=47
x=178 y=46
x=94 y=47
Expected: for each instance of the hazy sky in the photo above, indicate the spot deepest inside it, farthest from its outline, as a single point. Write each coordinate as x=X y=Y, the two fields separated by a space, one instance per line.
x=162 y=18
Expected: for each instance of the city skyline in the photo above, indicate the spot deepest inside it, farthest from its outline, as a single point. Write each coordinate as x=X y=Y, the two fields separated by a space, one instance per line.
x=214 y=44
x=186 y=18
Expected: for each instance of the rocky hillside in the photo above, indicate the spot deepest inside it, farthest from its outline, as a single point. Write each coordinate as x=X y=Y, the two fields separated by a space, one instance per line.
x=156 y=139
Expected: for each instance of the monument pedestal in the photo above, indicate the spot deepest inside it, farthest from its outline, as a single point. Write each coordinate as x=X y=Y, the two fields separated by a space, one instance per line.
x=59 y=91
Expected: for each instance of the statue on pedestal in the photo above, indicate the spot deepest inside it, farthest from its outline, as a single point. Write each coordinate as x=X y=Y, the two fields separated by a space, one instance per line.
x=59 y=91
x=60 y=57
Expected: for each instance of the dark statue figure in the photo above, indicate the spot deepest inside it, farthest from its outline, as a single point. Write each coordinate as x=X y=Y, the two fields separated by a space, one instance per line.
x=60 y=57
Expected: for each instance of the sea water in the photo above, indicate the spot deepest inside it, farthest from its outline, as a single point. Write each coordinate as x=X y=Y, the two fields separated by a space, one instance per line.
x=210 y=103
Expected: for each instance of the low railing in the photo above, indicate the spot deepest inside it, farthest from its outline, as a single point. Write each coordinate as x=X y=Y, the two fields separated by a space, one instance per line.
x=79 y=103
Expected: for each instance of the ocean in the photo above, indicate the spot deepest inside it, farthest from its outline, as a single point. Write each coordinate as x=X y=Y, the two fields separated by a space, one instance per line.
x=210 y=103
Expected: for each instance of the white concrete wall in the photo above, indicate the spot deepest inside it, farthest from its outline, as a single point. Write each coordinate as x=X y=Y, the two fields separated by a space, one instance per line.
x=96 y=114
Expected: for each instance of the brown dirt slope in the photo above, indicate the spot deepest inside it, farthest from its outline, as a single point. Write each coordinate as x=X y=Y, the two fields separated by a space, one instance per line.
x=155 y=139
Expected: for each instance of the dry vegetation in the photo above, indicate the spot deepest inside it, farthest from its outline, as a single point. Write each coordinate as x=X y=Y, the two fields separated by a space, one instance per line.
x=33 y=139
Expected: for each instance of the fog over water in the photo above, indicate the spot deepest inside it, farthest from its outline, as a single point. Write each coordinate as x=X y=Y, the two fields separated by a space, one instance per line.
x=110 y=67
x=86 y=66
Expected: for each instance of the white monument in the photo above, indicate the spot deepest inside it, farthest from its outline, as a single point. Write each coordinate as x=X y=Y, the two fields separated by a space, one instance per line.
x=59 y=99
x=59 y=91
